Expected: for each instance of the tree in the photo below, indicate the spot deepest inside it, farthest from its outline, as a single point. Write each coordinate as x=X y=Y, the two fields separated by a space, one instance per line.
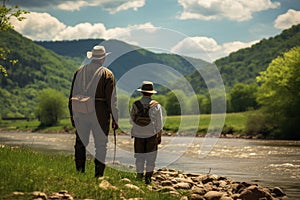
x=279 y=92
x=243 y=97
x=51 y=107
x=176 y=103
x=123 y=106
x=6 y=14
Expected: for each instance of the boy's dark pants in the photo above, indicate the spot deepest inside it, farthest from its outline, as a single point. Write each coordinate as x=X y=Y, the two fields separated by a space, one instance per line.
x=145 y=150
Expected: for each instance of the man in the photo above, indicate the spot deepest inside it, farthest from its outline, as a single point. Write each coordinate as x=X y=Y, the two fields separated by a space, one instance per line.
x=98 y=83
x=147 y=136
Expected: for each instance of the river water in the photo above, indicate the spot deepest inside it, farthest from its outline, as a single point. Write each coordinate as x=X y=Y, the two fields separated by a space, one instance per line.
x=269 y=163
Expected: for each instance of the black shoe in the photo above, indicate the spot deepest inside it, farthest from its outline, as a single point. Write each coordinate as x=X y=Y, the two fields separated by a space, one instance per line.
x=139 y=176
x=99 y=169
x=80 y=165
x=147 y=180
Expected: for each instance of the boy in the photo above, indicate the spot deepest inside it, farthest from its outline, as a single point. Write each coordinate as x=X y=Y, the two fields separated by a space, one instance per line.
x=146 y=120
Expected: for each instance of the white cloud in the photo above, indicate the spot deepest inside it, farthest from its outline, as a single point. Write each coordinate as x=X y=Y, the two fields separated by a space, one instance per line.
x=236 y=45
x=236 y=10
x=72 y=5
x=207 y=48
x=123 y=5
x=39 y=26
x=113 y=6
x=42 y=26
x=82 y=31
x=286 y=20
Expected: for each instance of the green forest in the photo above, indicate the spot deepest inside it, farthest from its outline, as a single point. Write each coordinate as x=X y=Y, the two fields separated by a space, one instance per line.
x=36 y=68
x=41 y=66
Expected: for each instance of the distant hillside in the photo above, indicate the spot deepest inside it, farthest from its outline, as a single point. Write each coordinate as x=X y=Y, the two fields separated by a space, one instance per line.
x=40 y=68
x=51 y=64
x=74 y=48
x=244 y=65
x=37 y=68
x=124 y=57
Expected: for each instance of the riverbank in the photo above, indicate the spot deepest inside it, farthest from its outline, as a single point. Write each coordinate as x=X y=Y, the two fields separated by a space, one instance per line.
x=194 y=125
x=28 y=174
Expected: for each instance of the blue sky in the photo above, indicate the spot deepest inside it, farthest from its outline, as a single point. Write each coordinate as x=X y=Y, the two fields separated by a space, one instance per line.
x=216 y=27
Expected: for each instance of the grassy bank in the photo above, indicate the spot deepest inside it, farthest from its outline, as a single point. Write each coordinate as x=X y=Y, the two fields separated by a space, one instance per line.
x=25 y=170
x=234 y=122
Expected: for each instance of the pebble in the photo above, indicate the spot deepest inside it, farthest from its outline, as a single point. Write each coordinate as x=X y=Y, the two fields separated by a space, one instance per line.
x=213 y=187
x=198 y=187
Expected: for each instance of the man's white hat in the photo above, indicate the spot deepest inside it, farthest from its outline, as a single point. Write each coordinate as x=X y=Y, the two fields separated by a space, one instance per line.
x=98 y=52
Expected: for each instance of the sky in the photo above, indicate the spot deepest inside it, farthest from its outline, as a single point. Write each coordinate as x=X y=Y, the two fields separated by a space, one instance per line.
x=187 y=27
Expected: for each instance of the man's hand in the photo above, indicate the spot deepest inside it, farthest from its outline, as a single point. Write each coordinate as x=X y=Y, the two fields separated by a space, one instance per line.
x=159 y=137
x=114 y=125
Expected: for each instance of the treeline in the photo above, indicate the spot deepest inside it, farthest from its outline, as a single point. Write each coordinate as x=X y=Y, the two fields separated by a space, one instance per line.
x=36 y=68
x=244 y=65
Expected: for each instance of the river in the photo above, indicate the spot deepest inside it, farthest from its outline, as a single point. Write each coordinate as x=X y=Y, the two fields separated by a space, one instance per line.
x=269 y=163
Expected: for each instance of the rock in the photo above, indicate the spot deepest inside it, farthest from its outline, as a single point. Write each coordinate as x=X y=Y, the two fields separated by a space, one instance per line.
x=18 y=194
x=192 y=175
x=166 y=183
x=160 y=178
x=226 y=198
x=185 y=180
x=198 y=190
x=208 y=186
x=182 y=185
x=213 y=195
x=222 y=183
x=151 y=188
x=127 y=180
x=184 y=198
x=196 y=197
x=206 y=179
x=39 y=195
x=278 y=192
x=211 y=187
x=63 y=194
x=255 y=192
x=134 y=187
x=105 y=185
x=174 y=193
x=235 y=187
x=167 y=189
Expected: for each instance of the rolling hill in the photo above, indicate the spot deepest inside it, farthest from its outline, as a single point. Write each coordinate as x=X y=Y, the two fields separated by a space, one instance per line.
x=244 y=65
x=37 y=68
x=40 y=66
x=51 y=65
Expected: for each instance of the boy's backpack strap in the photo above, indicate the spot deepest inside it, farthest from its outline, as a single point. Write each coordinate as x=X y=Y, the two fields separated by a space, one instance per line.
x=139 y=105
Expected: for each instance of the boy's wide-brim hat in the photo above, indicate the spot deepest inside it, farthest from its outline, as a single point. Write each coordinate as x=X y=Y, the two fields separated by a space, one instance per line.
x=147 y=87
x=98 y=52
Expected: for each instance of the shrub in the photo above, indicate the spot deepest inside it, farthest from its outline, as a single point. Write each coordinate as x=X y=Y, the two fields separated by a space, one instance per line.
x=259 y=124
x=51 y=107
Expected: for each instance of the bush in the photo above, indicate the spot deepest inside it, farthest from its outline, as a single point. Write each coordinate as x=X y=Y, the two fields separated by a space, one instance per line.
x=259 y=124
x=51 y=107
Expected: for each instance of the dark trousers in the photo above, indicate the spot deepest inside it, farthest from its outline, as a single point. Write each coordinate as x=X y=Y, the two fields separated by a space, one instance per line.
x=83 y=128
x=145 y=152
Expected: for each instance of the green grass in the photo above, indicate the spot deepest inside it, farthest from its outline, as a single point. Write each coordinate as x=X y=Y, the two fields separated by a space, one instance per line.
x=234 y=121
x=26 y=170
x=34 y=125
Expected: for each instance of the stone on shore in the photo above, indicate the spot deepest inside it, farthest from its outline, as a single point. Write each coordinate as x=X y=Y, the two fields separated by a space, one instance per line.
x=105 y=185
x=185 y=186
x=211 y=187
